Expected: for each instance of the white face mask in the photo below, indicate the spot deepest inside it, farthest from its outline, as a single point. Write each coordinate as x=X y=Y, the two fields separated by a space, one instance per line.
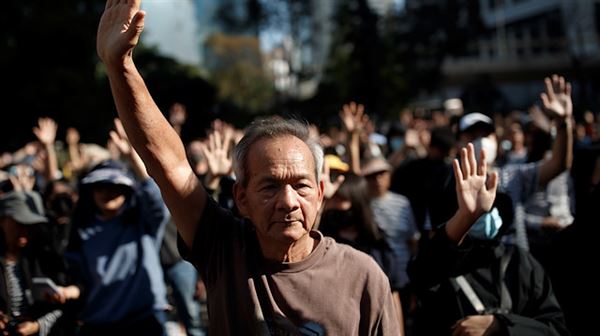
x=490 y=146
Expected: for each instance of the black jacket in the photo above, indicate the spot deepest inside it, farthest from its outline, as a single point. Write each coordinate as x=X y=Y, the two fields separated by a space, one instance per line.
x=535 y=310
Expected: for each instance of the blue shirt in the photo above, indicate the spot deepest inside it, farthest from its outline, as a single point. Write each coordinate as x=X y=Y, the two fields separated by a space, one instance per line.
x=122 y=265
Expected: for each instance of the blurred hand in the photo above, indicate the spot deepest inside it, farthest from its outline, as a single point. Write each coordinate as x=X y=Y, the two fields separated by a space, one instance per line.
x=475 y=325
x=353 y=117
x=23 y=178
x=216 y=152
x=475 y=196
x=46 y=131
x=331 y=187
x=177 y=114
x=72 y=136
x=28 y=328
x=551 y=223
x=200 y=293
x=3 y=320
x=119 y=30
x=64 y=294
x=557 y=97
x=119 y=139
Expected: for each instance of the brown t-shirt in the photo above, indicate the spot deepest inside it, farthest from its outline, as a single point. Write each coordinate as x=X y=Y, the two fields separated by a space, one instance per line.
x=336 y=290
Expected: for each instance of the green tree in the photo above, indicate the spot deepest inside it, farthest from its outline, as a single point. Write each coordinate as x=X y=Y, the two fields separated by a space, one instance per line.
x=236 y=69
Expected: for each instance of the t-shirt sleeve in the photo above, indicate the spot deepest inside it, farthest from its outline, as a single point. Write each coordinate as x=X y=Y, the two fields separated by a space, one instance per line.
x=217 y=233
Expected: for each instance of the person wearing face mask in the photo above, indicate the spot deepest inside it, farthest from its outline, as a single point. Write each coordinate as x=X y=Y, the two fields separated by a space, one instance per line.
x=470 y=283
x=520 y=181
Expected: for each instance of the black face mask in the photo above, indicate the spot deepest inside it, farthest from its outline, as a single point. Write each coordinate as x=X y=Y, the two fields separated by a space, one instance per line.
x=334 y=220
x=61 y=205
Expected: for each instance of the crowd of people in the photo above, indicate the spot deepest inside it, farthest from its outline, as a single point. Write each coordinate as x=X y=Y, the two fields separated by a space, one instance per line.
x=448 y=222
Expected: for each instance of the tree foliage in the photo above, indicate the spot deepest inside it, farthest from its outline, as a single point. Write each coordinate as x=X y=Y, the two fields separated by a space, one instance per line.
x=235 y=66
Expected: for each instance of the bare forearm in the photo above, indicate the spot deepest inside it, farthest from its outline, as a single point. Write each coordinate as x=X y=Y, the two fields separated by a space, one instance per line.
x=52 y=163
x=159 y=147
x=354 y=150
x=458 y=226
x=148 y=130
x=562 y=153
x=74 y=155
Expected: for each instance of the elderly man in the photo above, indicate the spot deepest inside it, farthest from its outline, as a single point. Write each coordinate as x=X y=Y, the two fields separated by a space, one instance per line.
x=269 y=273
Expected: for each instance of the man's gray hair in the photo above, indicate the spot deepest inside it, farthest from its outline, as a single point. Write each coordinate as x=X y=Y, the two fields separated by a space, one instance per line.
x=273 y=127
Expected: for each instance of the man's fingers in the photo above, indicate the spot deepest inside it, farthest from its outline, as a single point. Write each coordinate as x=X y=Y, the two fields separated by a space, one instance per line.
x=472 y=160
x=115 y=138
x=492 y=182
x=457 y=172
x=482 y=165
x=120 y=129
x=464 y=161
x=338 y=181
x=545 y=100
x=135 y=3
x=549 y=88
x=136 y=27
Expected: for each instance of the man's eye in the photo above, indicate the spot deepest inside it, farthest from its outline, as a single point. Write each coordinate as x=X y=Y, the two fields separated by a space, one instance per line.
x=268 y=187
x=302 y=186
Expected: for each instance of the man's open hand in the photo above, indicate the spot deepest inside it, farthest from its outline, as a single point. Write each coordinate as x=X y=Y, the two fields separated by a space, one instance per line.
x=475 y=196
x=119 y=30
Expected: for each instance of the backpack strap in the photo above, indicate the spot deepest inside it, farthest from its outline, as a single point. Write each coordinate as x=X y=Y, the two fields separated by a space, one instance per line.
x=505 y=299
x=464 y=285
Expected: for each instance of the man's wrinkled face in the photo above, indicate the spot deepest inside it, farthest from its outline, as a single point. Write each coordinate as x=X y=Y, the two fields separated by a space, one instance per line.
x=282 y=196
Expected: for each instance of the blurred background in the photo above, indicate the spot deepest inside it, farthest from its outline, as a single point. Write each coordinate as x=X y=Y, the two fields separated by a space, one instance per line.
x=237 y=59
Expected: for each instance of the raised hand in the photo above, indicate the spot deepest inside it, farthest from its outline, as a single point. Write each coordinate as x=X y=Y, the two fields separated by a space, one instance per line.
x=28 y=328
x=557 y=97
x=475 y=196
x=353 y=117
x=177 y=114
x=119 y=30
x=45 y=131
x=119 y=138
x=331 y=187
x=72 y=136
x=216 y=152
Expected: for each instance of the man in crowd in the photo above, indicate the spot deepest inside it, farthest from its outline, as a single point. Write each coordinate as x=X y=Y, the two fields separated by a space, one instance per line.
x=270 y=273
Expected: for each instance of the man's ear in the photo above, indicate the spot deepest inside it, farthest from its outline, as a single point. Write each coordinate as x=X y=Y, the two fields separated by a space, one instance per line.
x=321 y=191
x=241 y=199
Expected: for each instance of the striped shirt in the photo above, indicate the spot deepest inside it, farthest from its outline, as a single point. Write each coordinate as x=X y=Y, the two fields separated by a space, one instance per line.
x=393 y=214
x=20 y=299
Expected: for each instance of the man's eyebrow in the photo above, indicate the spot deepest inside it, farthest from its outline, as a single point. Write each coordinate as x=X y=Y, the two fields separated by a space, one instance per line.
x=271 y=179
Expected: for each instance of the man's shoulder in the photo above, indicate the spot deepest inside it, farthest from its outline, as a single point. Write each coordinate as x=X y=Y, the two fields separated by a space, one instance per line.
x=356 y=264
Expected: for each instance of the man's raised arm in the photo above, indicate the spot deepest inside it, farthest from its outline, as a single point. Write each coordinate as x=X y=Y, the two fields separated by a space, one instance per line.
x=150 y=134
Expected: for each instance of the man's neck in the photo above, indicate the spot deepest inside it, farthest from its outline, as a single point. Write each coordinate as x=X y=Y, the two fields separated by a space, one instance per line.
x=293 y=252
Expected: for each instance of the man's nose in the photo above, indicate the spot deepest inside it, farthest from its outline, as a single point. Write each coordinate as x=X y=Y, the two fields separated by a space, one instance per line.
x=288 y=199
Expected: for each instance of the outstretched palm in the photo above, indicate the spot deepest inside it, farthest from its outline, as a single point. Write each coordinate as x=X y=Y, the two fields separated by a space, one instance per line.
x=475 y=197
x=119 y=29
x=217 y=153
x=557 y=98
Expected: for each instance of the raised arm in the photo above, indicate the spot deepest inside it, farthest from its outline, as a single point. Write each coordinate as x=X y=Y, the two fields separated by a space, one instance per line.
x=354 y=120
x=45 y=131
x=475 y=192
x=149 y=132
x=557 y=103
